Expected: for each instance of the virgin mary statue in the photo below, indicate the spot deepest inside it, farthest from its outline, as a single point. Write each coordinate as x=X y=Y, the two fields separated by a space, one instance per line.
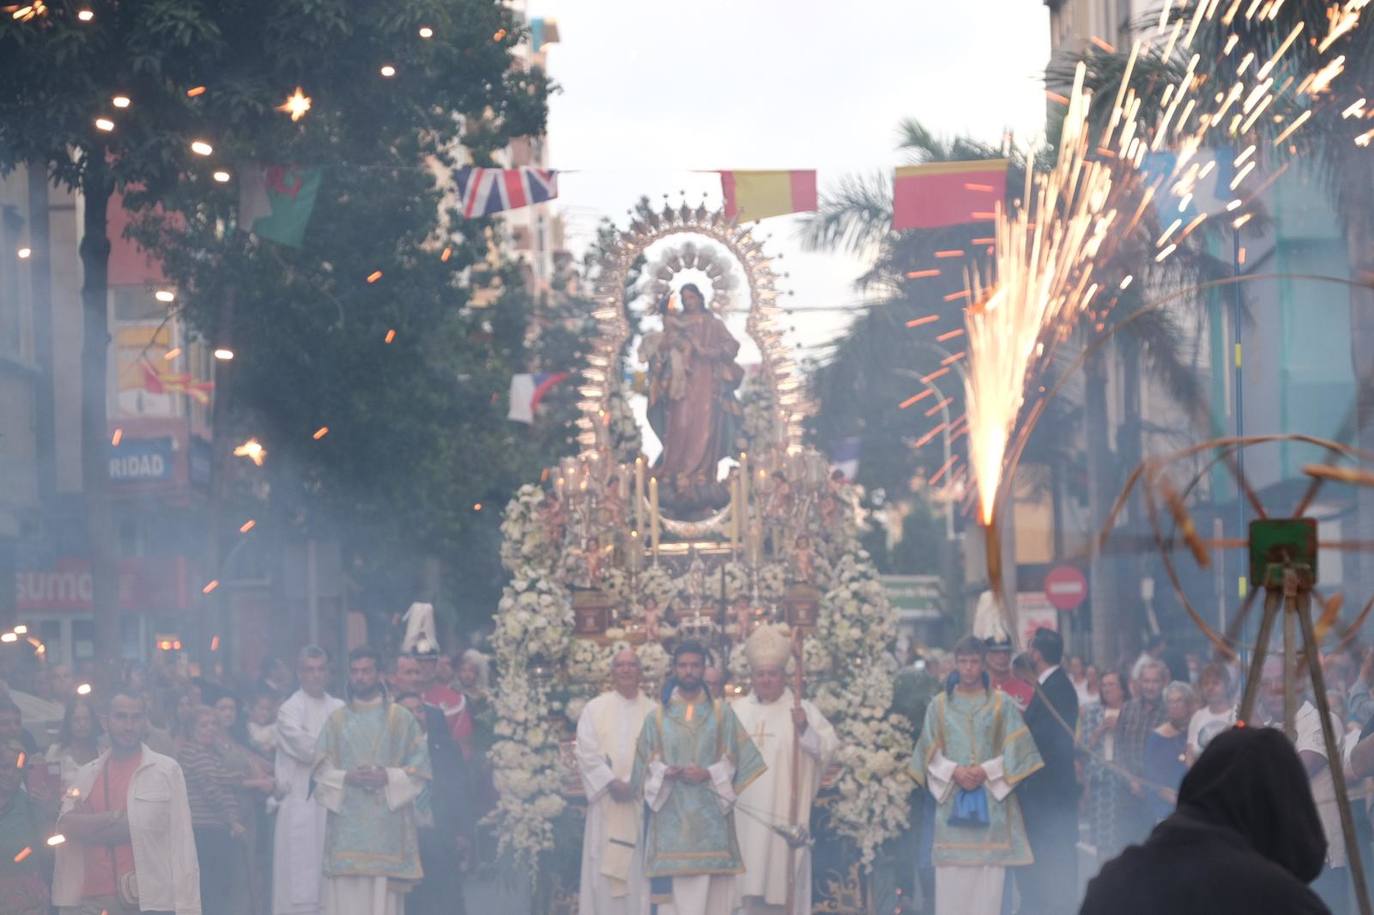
x=692 y=407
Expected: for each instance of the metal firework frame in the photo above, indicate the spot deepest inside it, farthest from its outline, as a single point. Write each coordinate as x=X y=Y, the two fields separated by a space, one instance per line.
x=1282 y=553
x=601 y=379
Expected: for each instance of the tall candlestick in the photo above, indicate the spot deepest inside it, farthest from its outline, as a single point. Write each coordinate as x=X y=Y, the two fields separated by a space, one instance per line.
x=639 y=493
x=736 y=510
x=744 y=482
x=653 y=515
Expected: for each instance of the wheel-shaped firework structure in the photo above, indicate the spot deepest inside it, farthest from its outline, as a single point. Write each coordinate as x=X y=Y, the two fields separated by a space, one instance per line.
x=1282 y=553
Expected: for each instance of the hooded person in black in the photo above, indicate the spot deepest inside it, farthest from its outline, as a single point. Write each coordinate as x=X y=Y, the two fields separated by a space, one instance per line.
x=1245 y=838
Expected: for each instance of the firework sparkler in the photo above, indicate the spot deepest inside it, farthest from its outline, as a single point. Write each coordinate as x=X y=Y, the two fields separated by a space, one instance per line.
x=1050 y=254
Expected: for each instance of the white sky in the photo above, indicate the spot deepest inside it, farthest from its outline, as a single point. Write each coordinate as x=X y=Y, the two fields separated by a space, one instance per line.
x=654 y=90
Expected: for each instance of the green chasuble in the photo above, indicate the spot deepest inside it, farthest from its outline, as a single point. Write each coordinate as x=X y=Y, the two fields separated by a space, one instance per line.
x=690 y=834
x=372 y=833
x=969 y=729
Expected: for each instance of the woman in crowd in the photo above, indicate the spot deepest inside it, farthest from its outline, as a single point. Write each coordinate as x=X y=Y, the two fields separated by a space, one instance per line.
x=1246 y=838
x=252 y=785
x=1166 y=756
x=214 y=811
x=78 y=742
x=1104 y=786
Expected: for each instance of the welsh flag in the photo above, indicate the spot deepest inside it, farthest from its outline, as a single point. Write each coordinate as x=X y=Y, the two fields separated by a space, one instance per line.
x=275 y=201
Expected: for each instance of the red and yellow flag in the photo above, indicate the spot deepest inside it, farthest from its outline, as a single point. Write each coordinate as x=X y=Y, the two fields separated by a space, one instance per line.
x=759 y=195
x=940 y=194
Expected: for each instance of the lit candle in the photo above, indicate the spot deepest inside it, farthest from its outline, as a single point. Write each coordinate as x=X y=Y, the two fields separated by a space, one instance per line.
x=653 y=515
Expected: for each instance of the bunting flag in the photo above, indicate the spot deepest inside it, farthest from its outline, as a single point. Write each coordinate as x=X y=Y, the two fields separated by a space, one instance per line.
x=939 y=194
x=155 y=382
x=759 y=195
x=526 y=390
x=275 y=201
x=484 y=191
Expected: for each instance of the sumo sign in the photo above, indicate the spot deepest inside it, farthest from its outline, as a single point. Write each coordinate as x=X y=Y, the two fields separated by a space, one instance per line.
x=141 y=460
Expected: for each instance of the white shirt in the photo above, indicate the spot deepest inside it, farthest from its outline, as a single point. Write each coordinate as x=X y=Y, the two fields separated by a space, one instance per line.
x=160 y=832
x=1045 y=674
x=1206 y=724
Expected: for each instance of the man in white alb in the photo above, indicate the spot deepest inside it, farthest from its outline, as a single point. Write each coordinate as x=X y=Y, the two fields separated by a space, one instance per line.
x=298 y=847
x=780 y=727
x=612 y=858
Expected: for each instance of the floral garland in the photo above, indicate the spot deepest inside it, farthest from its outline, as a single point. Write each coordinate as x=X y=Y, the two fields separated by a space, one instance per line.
x=547 y=675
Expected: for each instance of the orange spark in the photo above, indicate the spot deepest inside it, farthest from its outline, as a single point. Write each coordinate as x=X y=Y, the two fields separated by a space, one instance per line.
x=944 y=468
x=953 y=252
x=915 y=398
x=925 y=439
x=950 y=335
x=961 y=294
x=211 y=585
x=447 y=253
x=247 y=526
x=938 y=373
x=24 y=853
x=927 y=319
x=952 y=358
x=936 y=408
x=117 y=437
x=922 y=274
x=970 y=186
x=320 y=433
x=391 y=335
x=214 y=643
x=195 y=90
x=374 y=276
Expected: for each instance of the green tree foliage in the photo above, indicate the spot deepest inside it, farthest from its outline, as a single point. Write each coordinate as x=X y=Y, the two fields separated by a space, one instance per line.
x=417 y=432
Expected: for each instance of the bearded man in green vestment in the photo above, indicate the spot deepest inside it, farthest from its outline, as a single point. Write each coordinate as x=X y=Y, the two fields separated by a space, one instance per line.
x=692 y=760
x=973 y=752
x=373 y=764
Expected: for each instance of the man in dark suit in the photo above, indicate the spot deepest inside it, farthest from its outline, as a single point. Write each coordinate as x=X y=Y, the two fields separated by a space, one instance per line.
x=1049 y=797
x=443 y=810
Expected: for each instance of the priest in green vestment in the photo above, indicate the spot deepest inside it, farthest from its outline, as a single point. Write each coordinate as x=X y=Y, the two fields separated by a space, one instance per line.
x=373 y=764
x=973 y=751
x=692 y=760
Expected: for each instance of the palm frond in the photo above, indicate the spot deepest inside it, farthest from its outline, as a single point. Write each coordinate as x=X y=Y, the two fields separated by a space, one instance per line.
x=853 y=217
x=915 y=137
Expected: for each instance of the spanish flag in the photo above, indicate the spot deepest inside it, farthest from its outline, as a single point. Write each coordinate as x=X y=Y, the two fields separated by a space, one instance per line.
x=759 y=195
x=940 y=194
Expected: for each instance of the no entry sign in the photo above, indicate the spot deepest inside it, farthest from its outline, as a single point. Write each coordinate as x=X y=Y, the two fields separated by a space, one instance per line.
x=1065 y=587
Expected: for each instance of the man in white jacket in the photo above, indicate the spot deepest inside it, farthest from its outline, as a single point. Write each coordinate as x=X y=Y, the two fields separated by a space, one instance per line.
x=127 y=825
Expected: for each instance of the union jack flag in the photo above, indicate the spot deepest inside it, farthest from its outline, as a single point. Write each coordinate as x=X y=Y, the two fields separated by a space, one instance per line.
x=484 y=191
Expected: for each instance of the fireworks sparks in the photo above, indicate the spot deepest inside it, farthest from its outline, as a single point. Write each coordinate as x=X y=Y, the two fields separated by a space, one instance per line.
x=320 y=433
x=253 y=450
x=1042 y=270
x=296 y=104
x=210 y=586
